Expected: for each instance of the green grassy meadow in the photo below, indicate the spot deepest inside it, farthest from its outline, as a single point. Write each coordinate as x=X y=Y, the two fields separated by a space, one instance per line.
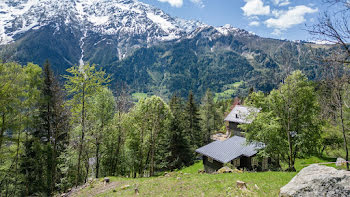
x=228 y=91
x=187 y=182
x=138 y=96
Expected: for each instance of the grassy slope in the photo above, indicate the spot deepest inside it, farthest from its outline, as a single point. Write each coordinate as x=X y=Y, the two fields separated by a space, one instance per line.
x=229 y=91
x=187 y=182
x=138 y=96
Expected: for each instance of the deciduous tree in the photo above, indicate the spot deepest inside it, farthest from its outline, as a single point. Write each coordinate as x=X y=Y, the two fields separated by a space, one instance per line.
x=289 y=119
x=82 y=83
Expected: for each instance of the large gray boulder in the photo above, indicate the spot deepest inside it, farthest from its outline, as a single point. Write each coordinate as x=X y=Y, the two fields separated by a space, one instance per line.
x=318 y=180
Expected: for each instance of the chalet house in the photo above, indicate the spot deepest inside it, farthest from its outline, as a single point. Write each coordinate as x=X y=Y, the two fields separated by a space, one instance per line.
x=234 y=150
x=240 y=115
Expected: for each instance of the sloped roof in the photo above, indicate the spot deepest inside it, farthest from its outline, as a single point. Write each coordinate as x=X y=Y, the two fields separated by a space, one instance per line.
x=242 y=114
x=230 y=149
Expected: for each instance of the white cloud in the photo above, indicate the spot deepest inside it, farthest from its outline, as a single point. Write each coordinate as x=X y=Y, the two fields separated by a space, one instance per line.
x=287 y=19
x=255 y=7
x=276 y=32
x=254 y=23
x=253 y=18
x=277 y=13
x=174 y=3
x=198 y=2
x=284 y=3
x=281 y=2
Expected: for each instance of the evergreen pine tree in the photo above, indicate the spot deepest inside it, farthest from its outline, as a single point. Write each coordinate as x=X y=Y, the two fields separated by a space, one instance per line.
x=208 y=113
x=192 y=122
x=179 y=147
x=52 y=126
x=32 y=167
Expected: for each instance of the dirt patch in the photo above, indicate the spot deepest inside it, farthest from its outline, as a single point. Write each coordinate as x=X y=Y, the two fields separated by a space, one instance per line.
x=97 y=187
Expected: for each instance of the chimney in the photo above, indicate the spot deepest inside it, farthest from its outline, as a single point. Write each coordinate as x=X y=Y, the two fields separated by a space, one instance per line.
x=236 y=101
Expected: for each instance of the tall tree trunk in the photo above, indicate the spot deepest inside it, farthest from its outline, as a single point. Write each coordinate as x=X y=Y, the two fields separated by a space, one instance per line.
x=343 y=131
x=147 y=160
x=290 y=146
x=141 y=154
x=54 y=165
x=82 y=136
x=192 y=134
x=208 y=126
x=117 y=152
x=152 y=155
x=98 y=150
x=2 y=129
x=152 y=161
x=290 y=163
x=118 y=145
x=49 y=156
x=295 y=152
x=17 y=159
x=86 y=167
x=97 y=157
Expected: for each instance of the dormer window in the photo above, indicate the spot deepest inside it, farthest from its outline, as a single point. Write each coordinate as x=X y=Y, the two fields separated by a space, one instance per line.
x=236 y=115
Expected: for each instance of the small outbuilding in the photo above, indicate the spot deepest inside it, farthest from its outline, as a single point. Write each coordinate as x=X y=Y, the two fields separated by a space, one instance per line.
x=234 y=150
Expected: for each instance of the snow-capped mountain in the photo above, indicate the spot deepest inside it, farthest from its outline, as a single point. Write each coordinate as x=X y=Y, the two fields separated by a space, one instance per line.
x=108 y=17
x=143 y=46
x=127 y=23
x=101 y=31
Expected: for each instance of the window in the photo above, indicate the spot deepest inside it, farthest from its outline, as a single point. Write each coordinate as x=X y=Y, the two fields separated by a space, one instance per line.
x=236 y=115
x=210 y=159
x=265 y=164
x=255 y=161
x=236 y=162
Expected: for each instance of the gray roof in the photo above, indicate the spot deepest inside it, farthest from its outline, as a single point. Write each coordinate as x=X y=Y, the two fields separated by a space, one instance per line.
x=242 y=114
x=230 y=149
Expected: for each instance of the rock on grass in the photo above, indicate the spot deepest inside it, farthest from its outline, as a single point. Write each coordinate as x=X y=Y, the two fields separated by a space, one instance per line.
x=318 y=180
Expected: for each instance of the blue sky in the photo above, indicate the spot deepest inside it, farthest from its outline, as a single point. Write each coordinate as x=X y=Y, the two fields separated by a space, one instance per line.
x=282 y=19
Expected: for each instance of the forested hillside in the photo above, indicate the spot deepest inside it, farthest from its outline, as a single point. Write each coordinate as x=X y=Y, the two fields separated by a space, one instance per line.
x=150 y=50
x=205 y=58
x=209 y=59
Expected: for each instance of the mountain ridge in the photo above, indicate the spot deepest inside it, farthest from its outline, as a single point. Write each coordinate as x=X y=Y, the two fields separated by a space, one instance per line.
x=150 y=50
x=116 y=17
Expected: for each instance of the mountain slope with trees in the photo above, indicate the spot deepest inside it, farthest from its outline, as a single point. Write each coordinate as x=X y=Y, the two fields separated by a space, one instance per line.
x=136 y=48
x=210 y=59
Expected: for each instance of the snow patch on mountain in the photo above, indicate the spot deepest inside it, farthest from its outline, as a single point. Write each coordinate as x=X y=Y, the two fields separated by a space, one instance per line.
x=322 y=42
x=99 y=20
x=8 y=13
x=226 y=29
x=113 y=17
x=162 y=22
x=126 y=24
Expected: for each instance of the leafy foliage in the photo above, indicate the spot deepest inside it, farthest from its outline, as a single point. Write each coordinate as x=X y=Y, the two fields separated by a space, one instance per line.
x=289 y=119
x=83 y=83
